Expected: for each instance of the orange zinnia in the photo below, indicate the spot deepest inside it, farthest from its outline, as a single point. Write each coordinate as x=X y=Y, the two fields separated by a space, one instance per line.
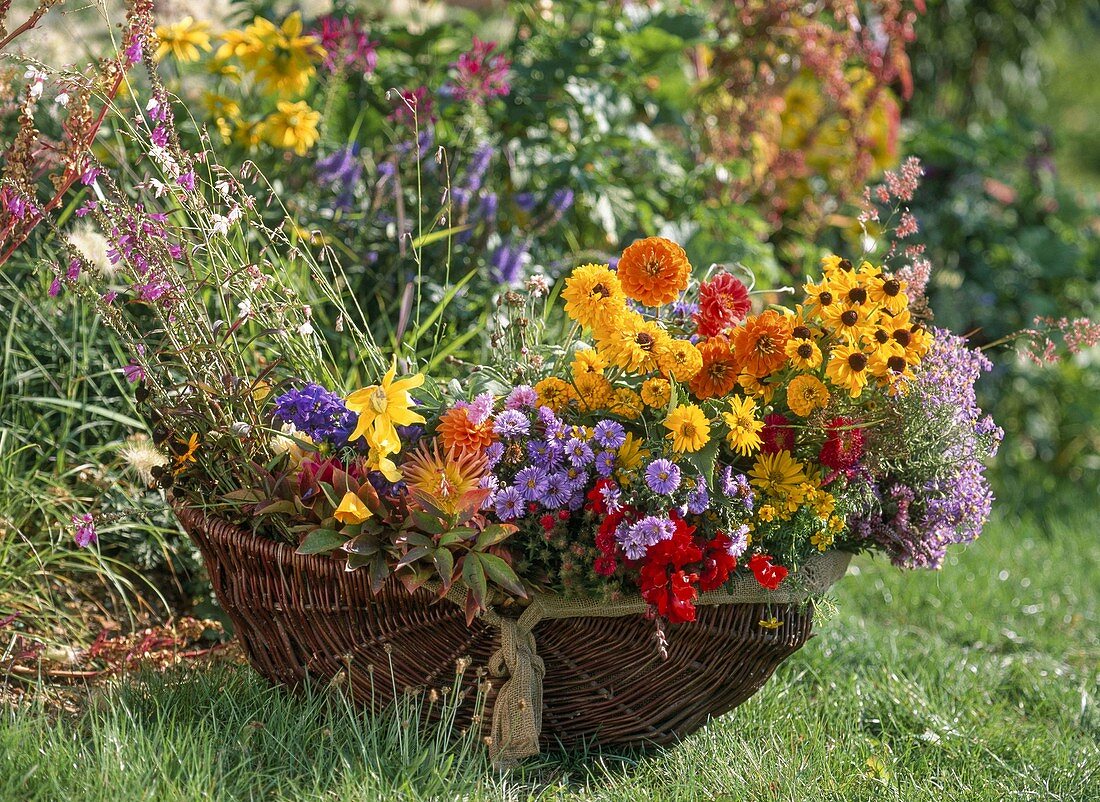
x=760 y=341
x=719 y=373
x=459 y=433
x=654 y=271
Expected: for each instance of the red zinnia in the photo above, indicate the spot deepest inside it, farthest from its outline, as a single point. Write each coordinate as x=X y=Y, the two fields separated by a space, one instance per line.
x=717 y=563
x=768 y=575
x=723 y=303
x=664 y=583
x=777 y=434
x=843 y=444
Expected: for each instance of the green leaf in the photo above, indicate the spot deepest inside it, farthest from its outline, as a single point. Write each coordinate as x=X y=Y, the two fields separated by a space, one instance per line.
x=428 y=522
x=356 y=561
x=491 y=535
x=321 y=540
x=435 y=236
x=704 y=458
x=444 y=565
x=364 y=546
x=414 y=554
x=473 y=574
x=379 y=572
x=501 y=573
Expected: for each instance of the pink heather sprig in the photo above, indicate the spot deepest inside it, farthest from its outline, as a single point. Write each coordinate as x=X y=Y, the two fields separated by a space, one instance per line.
x=1040 y=342
x=347 y=46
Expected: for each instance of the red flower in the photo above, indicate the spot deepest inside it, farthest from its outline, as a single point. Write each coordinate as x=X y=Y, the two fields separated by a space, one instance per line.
x=843 y=445
x=768 y=575
x=723 y=302
x=777 y=434
x=605 y=535
x=717 y=563
x=595 y=496
x=664 y=583
x=547 y=522
x=605 y=565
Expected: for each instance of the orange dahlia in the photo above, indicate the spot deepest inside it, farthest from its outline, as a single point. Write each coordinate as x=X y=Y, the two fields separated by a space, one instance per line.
x=654 y=271
x=459 y=433
x=718 y=375
x=760 y=341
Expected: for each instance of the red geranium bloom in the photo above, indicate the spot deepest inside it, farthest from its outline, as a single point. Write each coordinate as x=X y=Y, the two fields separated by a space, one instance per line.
x=605 y=565
x=777 y=434
x=768 y=575
x=605 y=535
x=717 y=563
x=723 y=302
x=843 y=445
x=664 y=583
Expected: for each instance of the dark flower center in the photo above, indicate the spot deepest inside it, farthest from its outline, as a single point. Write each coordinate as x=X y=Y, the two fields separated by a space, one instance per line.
x=845 y=265
x=644 y=341
x=850 y=318
x=896 y=364
x=805 y=351
x=857 y=362
x=882 y=337
x=858 y=295
x=601 y=291
x=903 y=337
x=891 y=287
x=801 y=333
x=825 y=298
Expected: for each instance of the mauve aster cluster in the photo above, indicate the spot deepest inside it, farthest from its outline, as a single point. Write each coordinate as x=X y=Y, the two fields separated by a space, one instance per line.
x=316 y=412
x=921 y=515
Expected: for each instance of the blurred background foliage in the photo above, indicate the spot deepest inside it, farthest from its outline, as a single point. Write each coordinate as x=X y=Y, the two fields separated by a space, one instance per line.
x=744 y=130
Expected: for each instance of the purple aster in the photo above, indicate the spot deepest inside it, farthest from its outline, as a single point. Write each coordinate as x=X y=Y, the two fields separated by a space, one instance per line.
x=739 y=541
x=609 y=434
x=737 y=487
x=494 y=452
x=531 y=483
x=557 y=491
x=605 y=463
x=550 y=422
x=522 y=396
x=649 y=531
x=547 y=452
x=698 y=500
x=480 y=409
x=509 y=504
x=662 y=476
x=612 y=498
x=341 y=170
x=578 y=452
x=511 y=423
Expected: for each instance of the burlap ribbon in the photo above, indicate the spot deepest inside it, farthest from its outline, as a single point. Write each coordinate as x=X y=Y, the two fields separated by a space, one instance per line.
x=517 y=712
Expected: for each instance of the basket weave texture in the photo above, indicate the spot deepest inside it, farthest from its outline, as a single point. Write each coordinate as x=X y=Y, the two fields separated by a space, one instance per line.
x=601 y=678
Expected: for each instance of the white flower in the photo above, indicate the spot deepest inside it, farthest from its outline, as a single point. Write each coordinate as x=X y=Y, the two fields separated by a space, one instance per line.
x=141 y=457
x=538 y=285
x=306 y=329
x=244 y=308
x=62 y=99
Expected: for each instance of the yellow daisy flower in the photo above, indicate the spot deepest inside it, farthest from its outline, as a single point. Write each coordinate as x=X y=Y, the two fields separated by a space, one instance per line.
x=632 y=343
x=631 y=457
x=803 y=353
x=688 y=428
x=588 y=360
x=778 y=474
x=183 y=39
x=384 y=406
x=847 y=369
x=744 y=429
x=292 y=127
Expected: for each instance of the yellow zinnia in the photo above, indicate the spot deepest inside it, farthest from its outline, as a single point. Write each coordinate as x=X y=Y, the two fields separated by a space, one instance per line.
x=352 y=510
x=292 y=127
x=593 y=296
x=679 y=358
x=778 y=474
x=627 y=404
x=554 y=393
x=806 y=393
x=656 y=393
x=688 y=428
x=744 y=429
x=384 y=406
x=183 y=39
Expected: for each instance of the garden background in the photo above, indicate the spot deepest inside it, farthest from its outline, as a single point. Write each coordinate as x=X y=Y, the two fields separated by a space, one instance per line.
x=746 y=131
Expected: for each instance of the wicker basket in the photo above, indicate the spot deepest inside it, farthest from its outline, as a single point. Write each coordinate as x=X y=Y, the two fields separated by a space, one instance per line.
x=305 y=616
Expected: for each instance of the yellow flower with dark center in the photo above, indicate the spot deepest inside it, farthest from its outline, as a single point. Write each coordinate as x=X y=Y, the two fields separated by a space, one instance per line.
x=292 y=127
x=185 y=453
x=806 y=393
x=757 y=388
x=588 y=360
x=183 y=39
x=593 y=296
x=352 y=510
x=744 y=429
x=554 y=393
x=688 y=428
x=632 y=344
x=847 y=369
x=803 y=353
x=679 y=358
x=656 y=392
x=778 y=475
x=383 y=407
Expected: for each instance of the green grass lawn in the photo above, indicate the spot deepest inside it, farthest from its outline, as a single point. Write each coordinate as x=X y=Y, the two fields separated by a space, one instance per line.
x=976 y=682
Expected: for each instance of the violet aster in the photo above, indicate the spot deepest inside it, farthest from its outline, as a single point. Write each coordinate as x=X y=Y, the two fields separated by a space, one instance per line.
x=609 y=434
x=662 y=476
x=511 y=423
x=531 y=483
x=509 y=504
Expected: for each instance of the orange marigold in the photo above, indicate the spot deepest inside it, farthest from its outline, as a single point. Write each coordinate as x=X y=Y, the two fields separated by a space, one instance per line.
x=654 y=271
x=760 y=341
x=718 y=375
x=459 y=433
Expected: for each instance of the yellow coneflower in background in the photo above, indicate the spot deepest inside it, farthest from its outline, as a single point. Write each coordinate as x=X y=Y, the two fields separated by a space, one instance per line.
x=183 y=39
x=293 y=126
